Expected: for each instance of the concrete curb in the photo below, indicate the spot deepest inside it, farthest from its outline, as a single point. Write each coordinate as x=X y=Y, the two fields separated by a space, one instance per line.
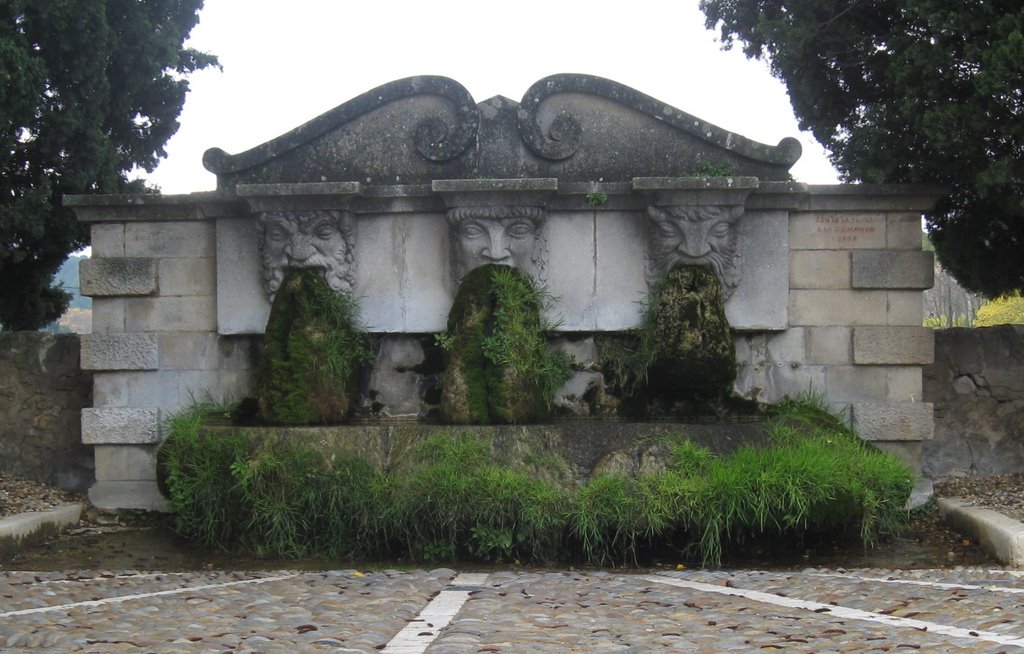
x=1000 y=536
x=24 y=529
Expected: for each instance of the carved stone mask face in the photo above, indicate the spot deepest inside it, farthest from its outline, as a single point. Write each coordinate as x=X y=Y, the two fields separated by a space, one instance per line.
x=308 y=239
x=509 y=236
x=695 y=235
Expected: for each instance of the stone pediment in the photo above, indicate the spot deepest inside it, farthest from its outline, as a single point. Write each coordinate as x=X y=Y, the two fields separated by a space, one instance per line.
x=576 y=128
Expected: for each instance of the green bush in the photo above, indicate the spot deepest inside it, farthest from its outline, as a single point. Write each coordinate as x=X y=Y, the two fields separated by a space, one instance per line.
x=453 y=500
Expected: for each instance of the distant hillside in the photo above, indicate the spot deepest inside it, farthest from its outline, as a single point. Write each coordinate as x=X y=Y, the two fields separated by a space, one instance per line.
x=68 y=277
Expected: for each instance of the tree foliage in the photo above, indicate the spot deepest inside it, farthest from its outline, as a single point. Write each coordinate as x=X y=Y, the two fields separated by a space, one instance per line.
x=910 y=91
x=1005 y=310
x=89 y=91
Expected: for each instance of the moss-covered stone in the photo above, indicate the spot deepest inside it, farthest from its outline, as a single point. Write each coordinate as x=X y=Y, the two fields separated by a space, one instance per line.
x=312 y=352
x=498 y=368
x=691 y=342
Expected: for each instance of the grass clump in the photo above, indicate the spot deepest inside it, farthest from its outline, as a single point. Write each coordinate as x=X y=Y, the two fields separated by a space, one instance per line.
x=455 y=502
x=452 y=499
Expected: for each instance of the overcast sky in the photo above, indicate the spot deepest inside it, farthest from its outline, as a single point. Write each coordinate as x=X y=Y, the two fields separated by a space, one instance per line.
x=285 y=62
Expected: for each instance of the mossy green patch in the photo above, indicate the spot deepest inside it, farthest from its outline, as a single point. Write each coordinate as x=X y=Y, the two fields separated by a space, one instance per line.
x=693 y=346
x=681 y=360
x=313 y=349
x=498 y=366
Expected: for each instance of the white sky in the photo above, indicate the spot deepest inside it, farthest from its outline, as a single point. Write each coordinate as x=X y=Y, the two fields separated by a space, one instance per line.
x=286 y=62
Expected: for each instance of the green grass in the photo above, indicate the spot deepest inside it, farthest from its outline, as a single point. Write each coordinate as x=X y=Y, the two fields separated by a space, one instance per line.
x=454 y=501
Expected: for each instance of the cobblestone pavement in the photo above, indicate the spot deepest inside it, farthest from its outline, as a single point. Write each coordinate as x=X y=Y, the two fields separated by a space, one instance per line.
x=442 y=612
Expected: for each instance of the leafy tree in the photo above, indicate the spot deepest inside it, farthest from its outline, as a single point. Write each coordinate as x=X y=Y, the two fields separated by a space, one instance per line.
x=89 y=90
x=910 y=91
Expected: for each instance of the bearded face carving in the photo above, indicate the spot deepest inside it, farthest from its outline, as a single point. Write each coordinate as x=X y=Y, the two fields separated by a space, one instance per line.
x=510 y=236
x=322 y=239
x=695 y=235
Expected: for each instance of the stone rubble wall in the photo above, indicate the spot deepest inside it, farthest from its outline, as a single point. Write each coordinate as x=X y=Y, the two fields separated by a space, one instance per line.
x=977 y=386
x=42 y=392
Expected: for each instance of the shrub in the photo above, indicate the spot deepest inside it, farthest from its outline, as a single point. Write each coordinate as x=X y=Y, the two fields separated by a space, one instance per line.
x=452 y=500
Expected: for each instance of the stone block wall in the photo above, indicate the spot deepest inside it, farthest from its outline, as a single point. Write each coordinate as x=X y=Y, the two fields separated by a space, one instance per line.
x=854 y=322
x=42 y=392
x=977 y=387
x=175 y=282
x=154 y=347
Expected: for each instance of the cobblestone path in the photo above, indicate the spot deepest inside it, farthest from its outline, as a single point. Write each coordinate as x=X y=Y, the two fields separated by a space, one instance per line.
x=442 y=612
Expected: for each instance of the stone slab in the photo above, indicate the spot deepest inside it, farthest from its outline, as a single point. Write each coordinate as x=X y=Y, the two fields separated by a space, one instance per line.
x=424 y=281
x=130 y=351
x=856 y=384
x=107 y=240
x=242 y=306
x=831 y=230
x=207 y=351
x=193 y=276
x=761 y=301
x=893 y=345
x=894 y=421
x=125 y=462
x=825 y=308
x=820 y=269
x=23 y=530
x=1000 y=536
x=107 y=315
x=112 y=495
x=171 y=314
x=595 y=273
x=904 y=308
x=908 y=269
x=118 y=276
x=829 y=345
x=120 y=425
x=170 y=239
x=904 y=383
x=620 y=285
x=904 y=231
x=572 y=273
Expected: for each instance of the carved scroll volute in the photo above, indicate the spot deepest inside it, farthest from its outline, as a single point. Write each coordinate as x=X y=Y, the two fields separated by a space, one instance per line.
x=305 y=226
x=695 y=221
x=499 y=221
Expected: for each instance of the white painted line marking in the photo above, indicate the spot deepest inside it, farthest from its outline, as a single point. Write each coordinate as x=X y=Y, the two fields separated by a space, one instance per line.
x=43 y=582
x=916 y=582
x=128 y=598
x=843 y=611
x=415 y=637
x=470 y=579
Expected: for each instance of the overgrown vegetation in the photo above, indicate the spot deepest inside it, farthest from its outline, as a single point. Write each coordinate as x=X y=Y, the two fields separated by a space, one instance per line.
x=313 y=348
x=683 y=348
x=452 y=500
x=1004 y=310
x=498 y=367
x=704 y=168
x=596 y=199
